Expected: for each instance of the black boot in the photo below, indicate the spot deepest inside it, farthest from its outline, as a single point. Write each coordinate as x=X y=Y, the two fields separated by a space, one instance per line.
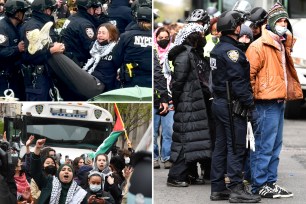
x=239 y=194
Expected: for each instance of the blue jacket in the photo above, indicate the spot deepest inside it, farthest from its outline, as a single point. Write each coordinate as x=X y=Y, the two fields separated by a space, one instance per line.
x=229 y=63
x=78 y=34
x=135 y=46
x=120 y=12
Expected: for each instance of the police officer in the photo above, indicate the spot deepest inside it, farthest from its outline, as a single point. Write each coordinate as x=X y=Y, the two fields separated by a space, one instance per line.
x=37 y=75
x=133 y=53
x=79 y=32
x=229 y=64
x=120 y=13
x=258 y=18
x=11 y=48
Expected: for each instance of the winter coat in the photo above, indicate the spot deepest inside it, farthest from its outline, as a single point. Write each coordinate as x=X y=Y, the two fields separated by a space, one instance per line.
x=190 y=128
x=160 y=84
x=266 y=72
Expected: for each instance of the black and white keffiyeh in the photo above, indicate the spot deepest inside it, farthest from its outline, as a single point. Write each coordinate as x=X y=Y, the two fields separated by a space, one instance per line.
x=97 y=52
x=179 y=39
x=75 y=193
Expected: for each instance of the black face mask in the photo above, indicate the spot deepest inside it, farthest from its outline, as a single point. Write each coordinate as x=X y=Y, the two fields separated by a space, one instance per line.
x=50 y=170
x=104 y=42
x=243 y=46
x=163 y=43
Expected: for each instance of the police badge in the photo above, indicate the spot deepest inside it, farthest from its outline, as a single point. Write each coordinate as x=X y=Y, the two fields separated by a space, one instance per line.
x=98 y=113
x=233 y=55
x=90 y=33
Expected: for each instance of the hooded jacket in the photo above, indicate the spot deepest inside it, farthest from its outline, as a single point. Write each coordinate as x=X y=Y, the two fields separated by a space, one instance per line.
x=190 y=128
x=266 y=72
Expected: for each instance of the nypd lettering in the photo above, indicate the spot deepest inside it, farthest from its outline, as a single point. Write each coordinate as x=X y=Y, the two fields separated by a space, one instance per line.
x=143 y=41
x=233 y=55
x=3 y=38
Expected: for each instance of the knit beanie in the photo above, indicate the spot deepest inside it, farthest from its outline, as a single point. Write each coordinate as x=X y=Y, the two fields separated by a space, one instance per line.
x=246 y=30
x=274 y=14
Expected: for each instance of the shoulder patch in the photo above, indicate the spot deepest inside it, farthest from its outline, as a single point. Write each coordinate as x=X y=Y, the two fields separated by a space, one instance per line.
x=3 y=38
x=233 y=55
x=90 y=32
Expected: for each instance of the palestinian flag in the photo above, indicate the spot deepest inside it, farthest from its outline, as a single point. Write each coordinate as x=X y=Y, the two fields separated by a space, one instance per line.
x=112 y=138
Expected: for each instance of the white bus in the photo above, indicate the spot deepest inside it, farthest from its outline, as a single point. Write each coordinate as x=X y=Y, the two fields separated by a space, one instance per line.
x=69 y=128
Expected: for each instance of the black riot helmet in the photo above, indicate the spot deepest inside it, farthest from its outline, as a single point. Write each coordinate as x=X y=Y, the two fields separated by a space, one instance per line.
x=258 y=16
x=198 y=15
x=142 y=10
x=229 y=20
x=87 y=4
x=41 y=5
x=12 y=6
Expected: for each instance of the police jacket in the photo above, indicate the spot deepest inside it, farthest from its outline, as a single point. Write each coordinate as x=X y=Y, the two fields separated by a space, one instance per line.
x=37 y=21
x=229 y=63
x=78 y=34
x=120 y=12
x=160 y=83
x=9 y=52
x=268 y=78
x=190 y=128
x=135 y=46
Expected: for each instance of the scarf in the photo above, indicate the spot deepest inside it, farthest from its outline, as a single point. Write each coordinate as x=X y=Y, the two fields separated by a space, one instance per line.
x=97 y=52
x=21 y=183
x=73 y=193
x=162 y=52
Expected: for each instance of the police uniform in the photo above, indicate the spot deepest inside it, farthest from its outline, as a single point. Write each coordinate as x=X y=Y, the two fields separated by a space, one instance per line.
x=78 y=35
x=229 y=63
x=37 y=74
x=135 y=47
x=10 y=75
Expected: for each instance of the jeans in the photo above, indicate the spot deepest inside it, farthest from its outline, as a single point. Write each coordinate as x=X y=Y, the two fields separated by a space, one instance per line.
x=268 y=133
x=166 y=123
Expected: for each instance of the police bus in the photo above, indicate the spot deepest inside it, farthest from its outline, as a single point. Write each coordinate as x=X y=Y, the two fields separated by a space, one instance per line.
x=70 y=128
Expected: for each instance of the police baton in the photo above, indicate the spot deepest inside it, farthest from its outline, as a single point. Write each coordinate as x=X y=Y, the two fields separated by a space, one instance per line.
x=230 y=112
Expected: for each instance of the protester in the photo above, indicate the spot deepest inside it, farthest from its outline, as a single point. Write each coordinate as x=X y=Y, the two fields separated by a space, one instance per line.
x=274 y=80
x=59 y=189
x=190 y=139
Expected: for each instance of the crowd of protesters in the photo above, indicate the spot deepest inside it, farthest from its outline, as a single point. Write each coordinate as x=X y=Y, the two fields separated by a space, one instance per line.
x=224 y=71
x=42 y=176
x=91 y=47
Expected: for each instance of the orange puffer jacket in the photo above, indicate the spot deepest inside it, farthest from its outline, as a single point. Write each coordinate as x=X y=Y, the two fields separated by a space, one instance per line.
x=266 y=72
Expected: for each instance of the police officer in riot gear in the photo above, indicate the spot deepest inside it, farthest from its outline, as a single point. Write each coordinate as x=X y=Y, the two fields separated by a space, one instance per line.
x=229 y=65
x=11 y=48
x=79 y=32
x=258 y=18
x=39 y=85
x=133 y=53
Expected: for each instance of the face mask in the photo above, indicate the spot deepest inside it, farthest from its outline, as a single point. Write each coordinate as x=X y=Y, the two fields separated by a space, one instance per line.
x=50 y=170
x=243 y=46
x=104 y=42
x=214 y=39
x=94 y=188
x=127 y=160
x=280 y=31
x=163 y=43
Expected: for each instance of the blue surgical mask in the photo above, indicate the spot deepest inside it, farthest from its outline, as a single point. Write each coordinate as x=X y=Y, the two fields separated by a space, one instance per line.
x=94 y=188
x=280 y=30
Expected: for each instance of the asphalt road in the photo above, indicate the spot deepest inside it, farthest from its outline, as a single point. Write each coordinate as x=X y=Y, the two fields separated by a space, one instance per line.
x=292 y=174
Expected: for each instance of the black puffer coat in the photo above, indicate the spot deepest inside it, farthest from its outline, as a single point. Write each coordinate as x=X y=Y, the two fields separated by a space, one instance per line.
x=190 y=128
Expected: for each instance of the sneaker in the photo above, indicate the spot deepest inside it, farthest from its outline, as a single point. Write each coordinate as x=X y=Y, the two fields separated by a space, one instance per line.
x=167 y=164
x=267 y=192
x=240 y=194
x=280 y=191
x=156 y=164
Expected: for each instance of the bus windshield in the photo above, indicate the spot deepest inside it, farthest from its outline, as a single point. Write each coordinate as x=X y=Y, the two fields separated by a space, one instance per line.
x=66 y=133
